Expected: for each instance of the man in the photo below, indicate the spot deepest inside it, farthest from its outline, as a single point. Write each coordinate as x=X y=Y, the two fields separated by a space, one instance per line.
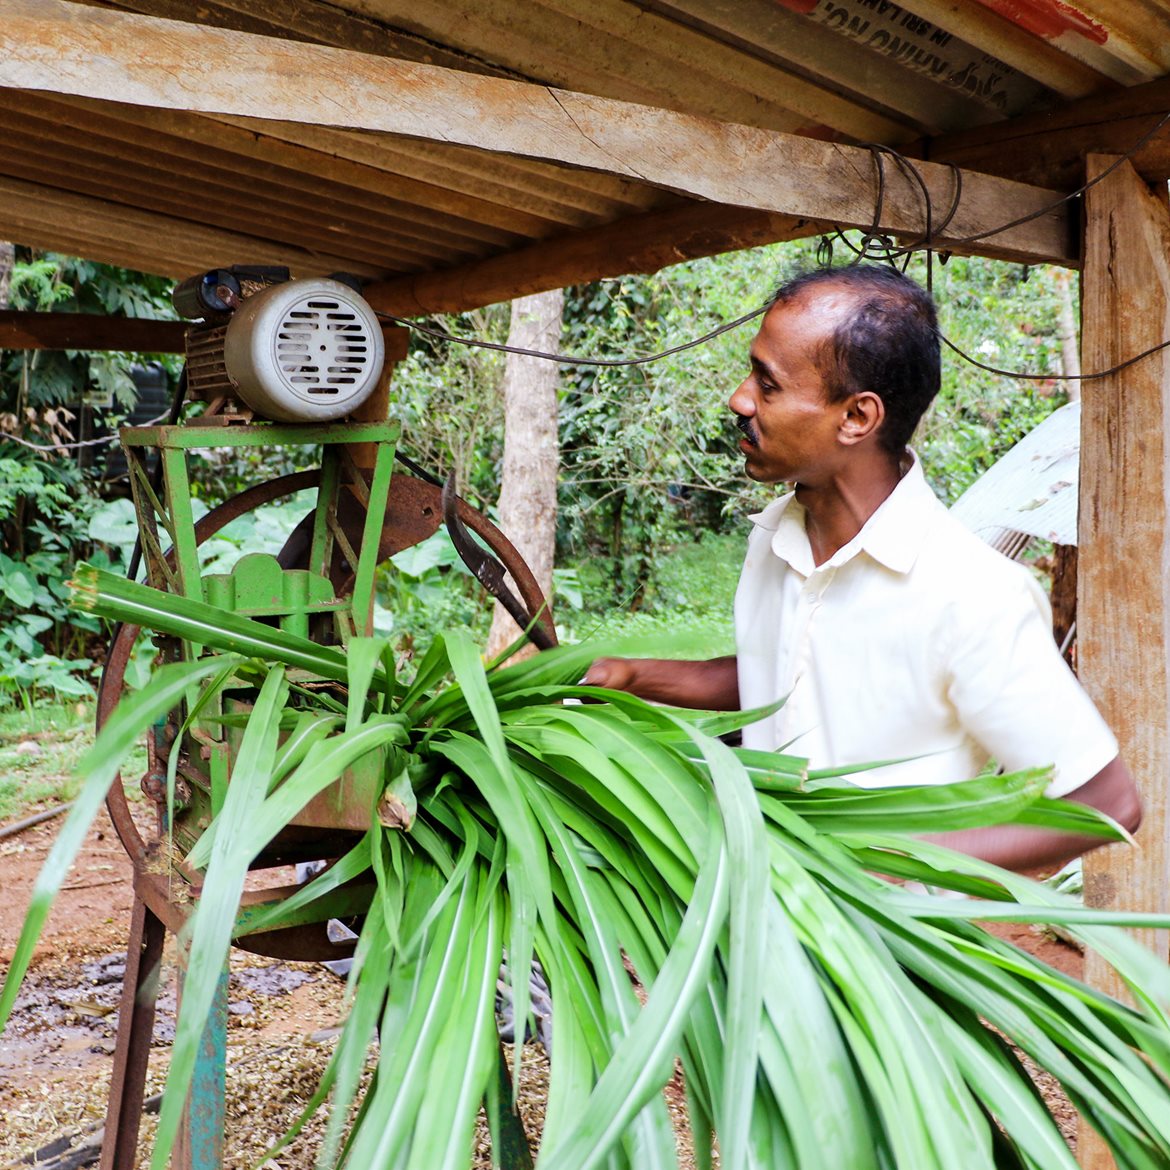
x=891 y=629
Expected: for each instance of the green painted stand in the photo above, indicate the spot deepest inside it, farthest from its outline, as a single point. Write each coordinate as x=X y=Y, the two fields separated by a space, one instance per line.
x=331 y=594
x=321 y=585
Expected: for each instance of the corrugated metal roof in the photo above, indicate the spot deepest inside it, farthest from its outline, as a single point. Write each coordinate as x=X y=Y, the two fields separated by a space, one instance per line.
x=1033 y=488
x=172 y=191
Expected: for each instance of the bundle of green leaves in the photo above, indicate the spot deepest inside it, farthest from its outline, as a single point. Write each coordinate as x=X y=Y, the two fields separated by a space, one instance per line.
x=823 y=1016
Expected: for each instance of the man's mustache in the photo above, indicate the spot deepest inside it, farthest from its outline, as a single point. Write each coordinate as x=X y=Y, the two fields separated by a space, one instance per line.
x=748 y=427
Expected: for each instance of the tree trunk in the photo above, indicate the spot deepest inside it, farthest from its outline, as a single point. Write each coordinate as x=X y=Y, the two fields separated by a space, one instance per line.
x=528 y=490
x=1070 y=351
x=7 y=263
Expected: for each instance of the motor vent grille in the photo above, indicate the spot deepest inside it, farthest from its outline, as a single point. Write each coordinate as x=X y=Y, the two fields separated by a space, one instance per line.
x=207 y=379
x=323 y=346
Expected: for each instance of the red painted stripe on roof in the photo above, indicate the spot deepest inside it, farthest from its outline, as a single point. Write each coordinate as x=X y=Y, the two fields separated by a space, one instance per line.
x=804 y=7
x=1048 y=18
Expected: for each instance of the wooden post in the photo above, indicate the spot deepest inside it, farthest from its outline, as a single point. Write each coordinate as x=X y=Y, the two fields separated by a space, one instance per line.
x=376 y=408
x=1124 y=536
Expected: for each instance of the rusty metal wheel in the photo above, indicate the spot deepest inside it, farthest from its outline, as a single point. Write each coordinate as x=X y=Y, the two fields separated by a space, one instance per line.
x=414 y=513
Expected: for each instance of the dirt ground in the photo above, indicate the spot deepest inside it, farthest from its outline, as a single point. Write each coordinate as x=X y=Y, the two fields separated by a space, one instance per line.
x=56 y=1054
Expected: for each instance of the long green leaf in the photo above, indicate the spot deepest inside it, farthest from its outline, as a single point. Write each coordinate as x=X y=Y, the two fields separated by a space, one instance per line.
x=210 y=927
x=640 y=1064
x=97 y=769
x=112 y=596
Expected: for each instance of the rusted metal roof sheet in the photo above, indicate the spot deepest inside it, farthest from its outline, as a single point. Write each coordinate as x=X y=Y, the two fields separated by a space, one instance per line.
x=172 y=191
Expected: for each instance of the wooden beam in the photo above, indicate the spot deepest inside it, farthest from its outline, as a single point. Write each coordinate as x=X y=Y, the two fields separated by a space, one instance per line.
x=1050 y=148
x=1124 y=538
x=61 y=221
x=89 y=331
x=67 y=48
x=639 y=243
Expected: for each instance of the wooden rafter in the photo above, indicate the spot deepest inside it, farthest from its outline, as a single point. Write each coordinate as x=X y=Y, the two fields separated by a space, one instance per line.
x=60 y=221
x=61 y=47
x=1050 y=147
x=89 y=331
x=639 y=243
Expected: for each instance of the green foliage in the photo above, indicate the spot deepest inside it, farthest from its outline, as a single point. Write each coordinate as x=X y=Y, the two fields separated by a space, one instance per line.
x=51 y=512
x=449 y=401
x=44 y=523
x=648 y=453
x=595 y=834
x=689 y=604
x=1003 y=315
x=427 y=588
x=39 y=380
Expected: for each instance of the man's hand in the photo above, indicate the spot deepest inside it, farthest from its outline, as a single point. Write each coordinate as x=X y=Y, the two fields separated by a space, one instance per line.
x=617 y=674
x=705 y=685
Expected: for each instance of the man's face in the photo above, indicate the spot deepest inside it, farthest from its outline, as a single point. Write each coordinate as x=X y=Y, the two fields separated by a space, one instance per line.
x=790 y=429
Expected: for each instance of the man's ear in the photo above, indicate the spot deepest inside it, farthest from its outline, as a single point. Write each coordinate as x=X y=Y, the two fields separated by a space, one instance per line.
x=863 y=417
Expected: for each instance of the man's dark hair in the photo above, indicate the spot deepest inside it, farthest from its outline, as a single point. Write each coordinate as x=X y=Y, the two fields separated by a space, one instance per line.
x=888 y=343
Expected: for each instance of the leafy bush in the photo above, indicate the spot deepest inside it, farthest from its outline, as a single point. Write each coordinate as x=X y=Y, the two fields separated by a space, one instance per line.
x=44 y=521
x=38 y=380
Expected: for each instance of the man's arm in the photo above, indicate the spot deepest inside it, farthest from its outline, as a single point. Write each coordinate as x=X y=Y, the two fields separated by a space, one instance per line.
x=705 y=685
x=1022 y=847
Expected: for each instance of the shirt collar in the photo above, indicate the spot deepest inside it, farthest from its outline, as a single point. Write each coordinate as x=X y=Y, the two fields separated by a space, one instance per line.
x=893 y=536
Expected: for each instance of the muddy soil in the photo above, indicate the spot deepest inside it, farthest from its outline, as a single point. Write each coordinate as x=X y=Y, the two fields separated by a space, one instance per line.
x=56 y=1055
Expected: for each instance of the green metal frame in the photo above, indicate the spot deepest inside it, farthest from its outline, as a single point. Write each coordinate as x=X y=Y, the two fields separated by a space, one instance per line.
x=257 y=586
x=172 y=514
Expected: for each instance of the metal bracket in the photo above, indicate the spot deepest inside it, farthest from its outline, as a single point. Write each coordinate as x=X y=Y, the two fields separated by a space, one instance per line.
x=488 y=571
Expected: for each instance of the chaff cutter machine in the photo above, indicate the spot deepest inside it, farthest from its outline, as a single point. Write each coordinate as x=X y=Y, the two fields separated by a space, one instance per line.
x=276 y=362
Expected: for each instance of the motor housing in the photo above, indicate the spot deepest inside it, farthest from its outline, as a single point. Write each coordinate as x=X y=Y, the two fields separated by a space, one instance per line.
x=304 y=350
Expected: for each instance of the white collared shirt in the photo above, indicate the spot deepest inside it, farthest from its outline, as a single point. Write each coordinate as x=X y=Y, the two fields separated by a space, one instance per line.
x=915 y=639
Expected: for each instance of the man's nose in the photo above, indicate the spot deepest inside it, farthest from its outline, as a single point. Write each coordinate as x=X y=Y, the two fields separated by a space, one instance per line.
x=742 y=402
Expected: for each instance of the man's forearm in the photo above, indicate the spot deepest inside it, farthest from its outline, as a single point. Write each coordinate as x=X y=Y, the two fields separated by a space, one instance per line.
x=706 y=685
x=1024 y=847
x=1020 y=848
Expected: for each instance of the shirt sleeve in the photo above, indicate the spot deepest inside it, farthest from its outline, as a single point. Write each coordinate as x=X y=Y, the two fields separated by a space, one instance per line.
x=1016 y=696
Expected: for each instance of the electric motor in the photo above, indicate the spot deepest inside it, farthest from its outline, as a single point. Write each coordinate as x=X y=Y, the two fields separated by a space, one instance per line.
x=304 y=351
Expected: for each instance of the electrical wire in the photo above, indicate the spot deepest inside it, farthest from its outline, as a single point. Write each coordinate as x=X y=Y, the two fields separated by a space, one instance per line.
x=573 y=359
x=875 y=245
x=1123 y=365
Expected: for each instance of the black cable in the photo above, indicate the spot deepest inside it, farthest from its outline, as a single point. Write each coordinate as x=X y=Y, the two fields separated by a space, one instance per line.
x=572 y=359
x=1055 y=377
x=888 y=251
